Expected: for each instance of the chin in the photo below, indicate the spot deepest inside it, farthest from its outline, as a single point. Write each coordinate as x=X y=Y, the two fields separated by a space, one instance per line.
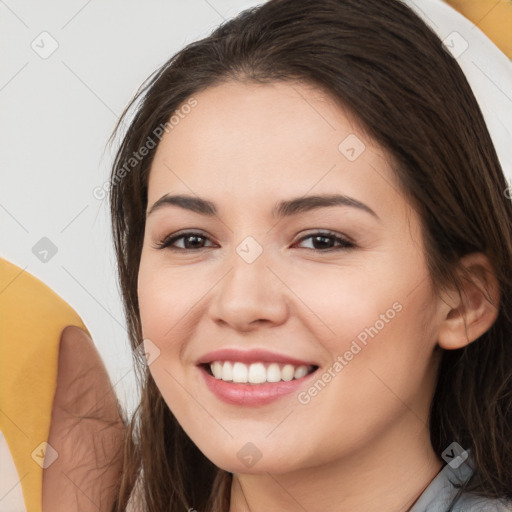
x=247 y=459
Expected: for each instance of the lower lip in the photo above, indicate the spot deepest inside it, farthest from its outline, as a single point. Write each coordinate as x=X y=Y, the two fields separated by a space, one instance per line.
x=251 y=394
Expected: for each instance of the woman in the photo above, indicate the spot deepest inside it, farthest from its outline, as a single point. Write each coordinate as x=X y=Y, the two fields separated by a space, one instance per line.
x=315 y=249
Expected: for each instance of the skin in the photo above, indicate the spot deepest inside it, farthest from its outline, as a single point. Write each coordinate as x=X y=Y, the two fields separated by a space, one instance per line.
x=363 y=442
x=86 y=431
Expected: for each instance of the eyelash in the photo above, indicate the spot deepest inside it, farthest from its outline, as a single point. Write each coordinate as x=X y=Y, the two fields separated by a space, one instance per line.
x=345 y=243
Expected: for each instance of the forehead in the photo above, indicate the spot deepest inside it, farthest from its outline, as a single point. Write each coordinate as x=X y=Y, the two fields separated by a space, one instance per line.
x=253 y=139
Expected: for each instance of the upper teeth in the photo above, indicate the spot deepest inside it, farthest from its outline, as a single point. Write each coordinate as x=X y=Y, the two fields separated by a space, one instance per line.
x=256 y=373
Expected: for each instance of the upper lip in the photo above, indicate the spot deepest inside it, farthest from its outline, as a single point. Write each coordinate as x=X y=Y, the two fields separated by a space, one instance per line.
x=251 y=356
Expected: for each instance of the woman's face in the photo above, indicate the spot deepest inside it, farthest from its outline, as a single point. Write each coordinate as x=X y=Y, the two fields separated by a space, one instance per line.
x=283 y=283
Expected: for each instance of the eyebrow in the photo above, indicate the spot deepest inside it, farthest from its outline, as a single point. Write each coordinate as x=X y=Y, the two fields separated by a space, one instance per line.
x=282 y=209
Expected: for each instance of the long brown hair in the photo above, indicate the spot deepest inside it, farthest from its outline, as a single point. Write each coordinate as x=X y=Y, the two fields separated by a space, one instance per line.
x=386 y=67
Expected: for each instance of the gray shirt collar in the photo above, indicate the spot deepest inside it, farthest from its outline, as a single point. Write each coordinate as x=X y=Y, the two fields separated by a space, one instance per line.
x=438 y=496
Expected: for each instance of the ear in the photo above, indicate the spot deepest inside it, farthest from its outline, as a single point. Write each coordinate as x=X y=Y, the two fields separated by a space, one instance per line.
x=471 y=313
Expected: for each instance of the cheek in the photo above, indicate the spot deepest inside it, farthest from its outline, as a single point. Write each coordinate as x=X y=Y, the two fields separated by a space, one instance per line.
x=163 y=317
x=170 y=307
x=380 y=328
x=340 y=303
x=387 y=359
x=152 y=301
x=386 y=378
x=166 y=298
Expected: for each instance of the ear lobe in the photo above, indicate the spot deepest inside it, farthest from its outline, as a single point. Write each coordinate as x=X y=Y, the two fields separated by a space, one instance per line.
x=473 y=312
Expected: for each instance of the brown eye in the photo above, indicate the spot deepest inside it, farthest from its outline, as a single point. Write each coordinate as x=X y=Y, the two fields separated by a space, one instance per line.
x=327 y=241
x=191 y=241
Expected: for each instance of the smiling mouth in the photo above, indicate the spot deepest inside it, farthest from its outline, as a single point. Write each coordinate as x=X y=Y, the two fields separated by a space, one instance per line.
x=256 y=373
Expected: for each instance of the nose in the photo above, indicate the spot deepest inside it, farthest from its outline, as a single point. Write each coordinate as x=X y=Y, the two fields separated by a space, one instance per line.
x=250 y=295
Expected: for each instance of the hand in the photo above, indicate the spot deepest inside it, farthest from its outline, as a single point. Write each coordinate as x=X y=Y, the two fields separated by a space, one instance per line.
x=87 y=431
